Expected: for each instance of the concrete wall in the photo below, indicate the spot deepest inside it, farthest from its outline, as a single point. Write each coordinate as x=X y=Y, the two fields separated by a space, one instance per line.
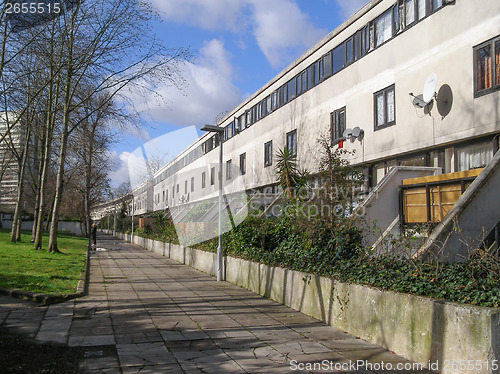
x=73 y=227
x=418 y=328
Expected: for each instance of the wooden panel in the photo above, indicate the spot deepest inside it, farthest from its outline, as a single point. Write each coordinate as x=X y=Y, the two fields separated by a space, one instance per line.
x=443 y=177
x=415 y=205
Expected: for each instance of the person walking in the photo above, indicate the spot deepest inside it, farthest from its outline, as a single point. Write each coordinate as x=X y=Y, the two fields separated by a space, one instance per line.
x=94 y=235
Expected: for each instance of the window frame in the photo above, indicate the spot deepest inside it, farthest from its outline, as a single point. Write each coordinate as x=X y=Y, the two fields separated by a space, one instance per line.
x=336 y=138
x=243 y=163
x=268 y=153
x=384 y=92
x=292 y=135
x=228 y=169
x=492 y=43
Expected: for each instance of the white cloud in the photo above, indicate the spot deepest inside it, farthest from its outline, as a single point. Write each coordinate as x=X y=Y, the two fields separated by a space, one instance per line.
x=210 y=15
x=120 y=173
x=282 y=31
x=348 y=8
x=208 y=91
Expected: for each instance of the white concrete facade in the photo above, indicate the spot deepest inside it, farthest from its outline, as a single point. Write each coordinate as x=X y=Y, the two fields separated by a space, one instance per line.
x=428 y=36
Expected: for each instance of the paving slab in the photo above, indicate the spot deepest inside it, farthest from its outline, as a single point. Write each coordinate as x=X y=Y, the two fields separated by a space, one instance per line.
x=148 y=314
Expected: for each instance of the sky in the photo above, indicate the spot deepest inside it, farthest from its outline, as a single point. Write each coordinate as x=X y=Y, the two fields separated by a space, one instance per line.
x=237 y=47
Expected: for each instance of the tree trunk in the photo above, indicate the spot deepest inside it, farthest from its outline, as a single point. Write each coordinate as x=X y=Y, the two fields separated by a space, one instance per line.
x=15 y=234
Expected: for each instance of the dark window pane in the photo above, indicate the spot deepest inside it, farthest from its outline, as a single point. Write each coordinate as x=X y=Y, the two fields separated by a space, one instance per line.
x=338 y=55
x=292 y=90
x=436 y=4
x=327 y=65
x=349 y=51
x=310 y=76
x=497 y=63
x=484 y=71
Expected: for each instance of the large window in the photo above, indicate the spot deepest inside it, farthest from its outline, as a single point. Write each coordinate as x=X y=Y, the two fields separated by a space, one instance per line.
x=291 y=142
x=474 y=156
x=268 y=153
x=337 y=123
x=385 y=109
x=487 y=67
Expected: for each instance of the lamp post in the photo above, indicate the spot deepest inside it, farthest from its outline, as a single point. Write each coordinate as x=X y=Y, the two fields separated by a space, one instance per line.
x=218 y=130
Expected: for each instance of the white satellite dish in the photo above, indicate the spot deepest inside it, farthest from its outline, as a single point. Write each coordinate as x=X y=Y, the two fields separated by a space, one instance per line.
x=429 y=88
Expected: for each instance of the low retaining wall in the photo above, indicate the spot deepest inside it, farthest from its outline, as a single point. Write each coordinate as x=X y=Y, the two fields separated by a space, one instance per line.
x=421 y=329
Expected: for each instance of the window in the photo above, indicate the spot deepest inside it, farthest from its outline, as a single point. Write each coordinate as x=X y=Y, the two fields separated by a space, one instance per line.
x=241 y=122
x=243 y=163
x=311 y=76
x=421 y=9
x=173 y=192
x=283 y=94
x=409 y=12
x=349 y=50
x=474 y=156
x=212 y=176
x=274 y=100
x=384 y=108
x=177 y=189
x=229 y=131
x=203 y=179
x=337 y=123
x=326 y=64
x=338 y=56
x=436 y=4
x=164 y=195
x=383 y=28
x=268 y=153
x=228 y=169
x=487 y=67
x=185 y=187
x=192 y=184
x=292 y=89
x=291 y=142
x=248 y=118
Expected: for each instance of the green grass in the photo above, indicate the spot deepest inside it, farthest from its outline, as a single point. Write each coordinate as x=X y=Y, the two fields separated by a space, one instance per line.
x=39 y=271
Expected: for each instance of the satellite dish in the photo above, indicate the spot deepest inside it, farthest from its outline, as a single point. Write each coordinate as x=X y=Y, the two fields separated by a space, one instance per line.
x=444 y=100
x=419 y=102
x=429 y=88
x=356 y=131
x=347 y=133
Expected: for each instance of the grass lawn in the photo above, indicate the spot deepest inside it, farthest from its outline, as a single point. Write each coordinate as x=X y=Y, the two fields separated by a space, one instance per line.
x=39 y=271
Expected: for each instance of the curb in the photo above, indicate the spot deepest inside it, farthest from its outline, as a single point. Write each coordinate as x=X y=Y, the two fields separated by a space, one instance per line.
x=48 y=299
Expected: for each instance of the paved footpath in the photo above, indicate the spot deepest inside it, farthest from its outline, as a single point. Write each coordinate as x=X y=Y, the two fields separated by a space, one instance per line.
x=147 y=314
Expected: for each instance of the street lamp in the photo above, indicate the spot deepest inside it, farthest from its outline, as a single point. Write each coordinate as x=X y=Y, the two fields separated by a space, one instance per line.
x=219 y=130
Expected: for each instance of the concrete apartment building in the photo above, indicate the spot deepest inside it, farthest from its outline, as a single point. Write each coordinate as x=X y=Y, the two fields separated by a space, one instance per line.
x=9 y=166
x=411 y=86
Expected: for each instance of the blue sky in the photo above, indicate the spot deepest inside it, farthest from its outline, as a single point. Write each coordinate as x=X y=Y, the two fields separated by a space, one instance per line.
x=238 y=46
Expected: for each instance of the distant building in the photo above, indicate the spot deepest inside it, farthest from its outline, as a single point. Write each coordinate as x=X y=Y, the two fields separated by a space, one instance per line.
x=9 y=165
